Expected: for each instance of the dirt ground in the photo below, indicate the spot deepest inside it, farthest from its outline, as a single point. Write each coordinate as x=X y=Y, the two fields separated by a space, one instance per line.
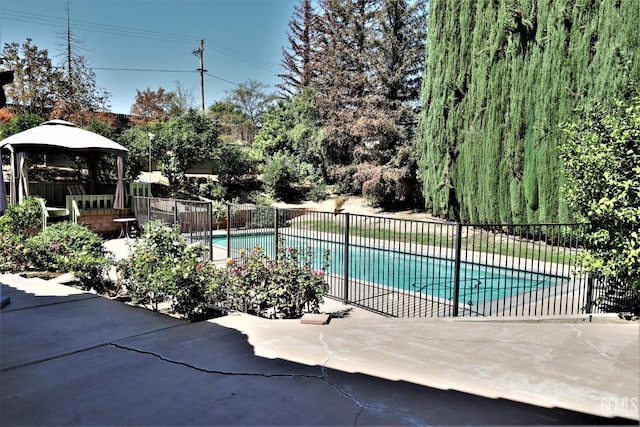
x=358 y=205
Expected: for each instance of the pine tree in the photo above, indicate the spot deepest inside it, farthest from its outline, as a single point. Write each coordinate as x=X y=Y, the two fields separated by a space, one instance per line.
x=499 y=79
x=344 y=68
x=397 y=66
x=366 y=64
x=298 y=60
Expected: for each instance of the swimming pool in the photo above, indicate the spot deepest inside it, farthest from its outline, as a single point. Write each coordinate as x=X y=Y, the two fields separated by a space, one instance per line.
x=414 y=272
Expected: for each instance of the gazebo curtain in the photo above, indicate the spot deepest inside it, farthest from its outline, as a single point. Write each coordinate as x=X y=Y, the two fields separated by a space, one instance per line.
x=19 y=186
x=120 y=196
x=23 y=182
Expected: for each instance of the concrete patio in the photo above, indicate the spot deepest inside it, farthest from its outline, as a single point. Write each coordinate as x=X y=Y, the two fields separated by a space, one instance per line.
x=74 y=358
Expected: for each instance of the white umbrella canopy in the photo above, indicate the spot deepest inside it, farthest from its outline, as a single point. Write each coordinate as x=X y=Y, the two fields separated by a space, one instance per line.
x=57 y=136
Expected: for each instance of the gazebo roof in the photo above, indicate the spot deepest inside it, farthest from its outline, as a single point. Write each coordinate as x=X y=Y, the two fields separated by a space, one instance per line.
x=56 y=135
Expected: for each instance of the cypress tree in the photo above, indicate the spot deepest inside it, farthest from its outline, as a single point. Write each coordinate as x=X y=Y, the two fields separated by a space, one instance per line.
x=499 y=79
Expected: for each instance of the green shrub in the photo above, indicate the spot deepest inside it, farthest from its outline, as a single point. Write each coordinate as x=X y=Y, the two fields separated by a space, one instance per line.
x=14 y=255
x=24 y=219
x=281 y=177
x=162 y=268
x=261 y=217
x=70 y=247
x=219 y=211
x=288 y=285
x=601 y=163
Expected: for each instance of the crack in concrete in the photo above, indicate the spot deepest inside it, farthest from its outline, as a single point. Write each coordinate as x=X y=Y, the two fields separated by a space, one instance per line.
x=362 y=405
x=611 y=357
x=213 y=371
x=324 y=377
x=588 y=344
x=81 y=350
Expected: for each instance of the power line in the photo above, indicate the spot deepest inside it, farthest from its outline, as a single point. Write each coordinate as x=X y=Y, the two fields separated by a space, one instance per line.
x=164 y=71
x=53 y=21
x=224 y=80
x=143 y=70
x=36 y=18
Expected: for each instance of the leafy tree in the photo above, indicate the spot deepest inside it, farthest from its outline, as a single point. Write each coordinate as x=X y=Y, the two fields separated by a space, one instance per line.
x=283 y=175
x=19 y=123
x=39 y=86
x=183 y=142
x=291 y=126
x=100 y=123
x=250 y=99
x=289 y=143
x=78 y=90
x=36 y=79
x=234 y=124
x=182 y=101
x=136 y=140
x=152 y=106
x=601 y=163
x=236 y=171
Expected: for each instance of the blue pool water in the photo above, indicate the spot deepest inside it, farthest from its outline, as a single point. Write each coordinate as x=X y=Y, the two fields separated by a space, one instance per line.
x=413 y=272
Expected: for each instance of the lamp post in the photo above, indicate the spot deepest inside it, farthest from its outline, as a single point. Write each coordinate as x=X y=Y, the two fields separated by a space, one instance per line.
x=151 y=136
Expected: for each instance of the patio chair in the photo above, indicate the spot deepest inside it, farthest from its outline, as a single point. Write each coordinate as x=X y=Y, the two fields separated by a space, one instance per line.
x=76 y=190
x=51 y=213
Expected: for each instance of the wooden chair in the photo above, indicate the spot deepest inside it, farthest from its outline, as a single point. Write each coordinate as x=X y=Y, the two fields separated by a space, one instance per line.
x=76 y=190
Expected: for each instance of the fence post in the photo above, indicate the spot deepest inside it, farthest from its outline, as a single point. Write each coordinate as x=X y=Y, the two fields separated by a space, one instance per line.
x=175 y=216
x=210 y=237
x=276 y=235
x=456 y=274
x=228 y=230
x=589 y=294
x=345 y=273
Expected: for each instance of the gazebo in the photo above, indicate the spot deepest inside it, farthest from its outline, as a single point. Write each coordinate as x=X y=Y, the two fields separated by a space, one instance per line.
x=61 y=137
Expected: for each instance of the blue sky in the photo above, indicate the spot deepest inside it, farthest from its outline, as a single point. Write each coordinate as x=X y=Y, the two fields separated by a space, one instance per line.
x=243 y=40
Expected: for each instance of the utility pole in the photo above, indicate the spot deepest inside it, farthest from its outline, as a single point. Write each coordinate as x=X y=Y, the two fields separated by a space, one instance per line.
x=69 y=41
x=200 y=53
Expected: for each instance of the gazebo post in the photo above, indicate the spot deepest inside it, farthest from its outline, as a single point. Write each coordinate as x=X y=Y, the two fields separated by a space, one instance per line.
x=92 y=167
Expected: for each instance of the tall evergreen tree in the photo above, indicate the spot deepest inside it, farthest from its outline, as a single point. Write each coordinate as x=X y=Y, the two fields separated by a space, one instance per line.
x=387 y=126
x=499 y=78
x=397 y=64
x=343 y=70
x=299 y=59
x=366 y=66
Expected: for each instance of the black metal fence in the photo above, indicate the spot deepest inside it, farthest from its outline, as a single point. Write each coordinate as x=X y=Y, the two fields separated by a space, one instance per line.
x=409 y=268
x=194 y=218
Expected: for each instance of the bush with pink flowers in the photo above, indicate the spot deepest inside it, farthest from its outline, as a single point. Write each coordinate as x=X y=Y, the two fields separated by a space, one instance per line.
x=284 y=287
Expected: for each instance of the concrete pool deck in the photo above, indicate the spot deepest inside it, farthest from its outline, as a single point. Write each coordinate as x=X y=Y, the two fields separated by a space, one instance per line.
x=70 y=357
